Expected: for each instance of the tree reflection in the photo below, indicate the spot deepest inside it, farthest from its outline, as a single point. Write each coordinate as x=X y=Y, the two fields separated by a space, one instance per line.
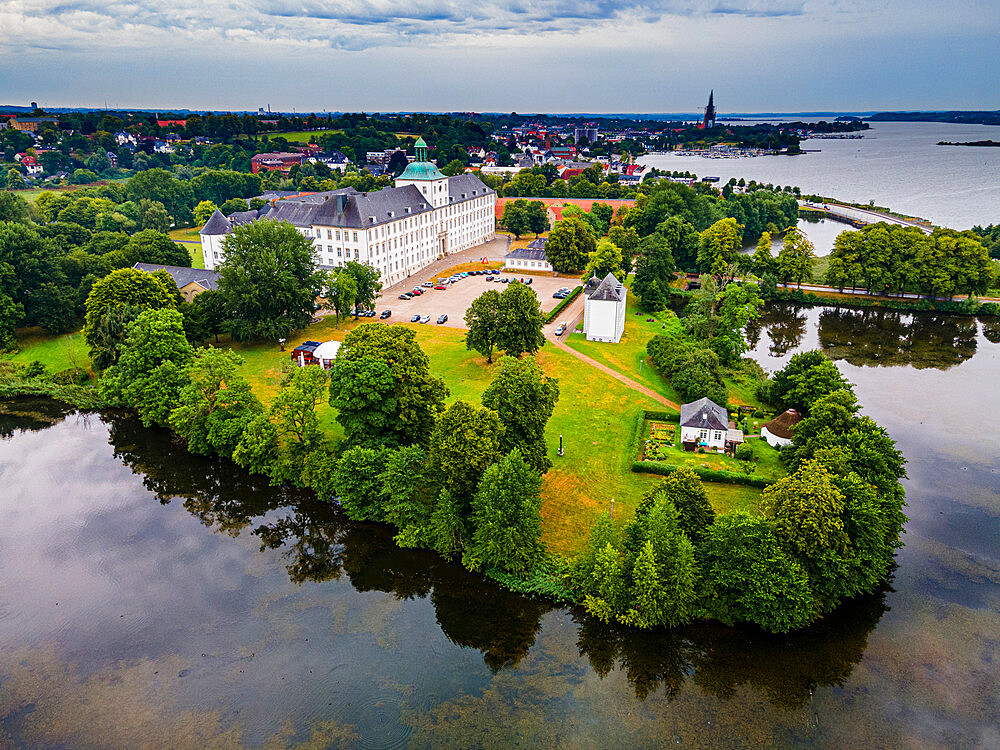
x=991 y=330
x=31 y=415
x=785 y=325
x=320 y=544
x=720 y=659
x=872 y=338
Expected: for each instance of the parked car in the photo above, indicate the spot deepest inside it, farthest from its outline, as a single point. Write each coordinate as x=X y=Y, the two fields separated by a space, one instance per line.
x=428 y=284
x=442 y=319
x=489 y=278
x=406 y=295
x=528 y=280
x=426 y=319
x=559 y=295
x=441 y=287
x=386 y=314
x=503 y=280
x=560 y=329
x=415 y=318
x=417 y=292
x=464 y=274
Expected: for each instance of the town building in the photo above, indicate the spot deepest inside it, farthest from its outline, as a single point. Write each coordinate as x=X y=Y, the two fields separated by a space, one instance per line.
x=30 y=124
x=277 y=161
x=190 y=281
x=604 y=309
x=709 y=119
x=530 y=258
x=704 y=424
x=397 y=231
x=588 y=132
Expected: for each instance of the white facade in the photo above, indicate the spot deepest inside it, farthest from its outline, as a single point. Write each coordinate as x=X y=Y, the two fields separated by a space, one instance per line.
x=604 y=310
x=528 y=265
x=713 y=438
x=405 y=243
x=773 y=440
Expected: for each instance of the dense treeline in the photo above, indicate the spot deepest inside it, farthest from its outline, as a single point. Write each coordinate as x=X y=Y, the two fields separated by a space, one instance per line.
x=892 y=259
x=828 y=531
x=990 y=237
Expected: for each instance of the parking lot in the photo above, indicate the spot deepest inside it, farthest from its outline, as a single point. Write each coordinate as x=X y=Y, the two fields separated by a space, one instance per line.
x=454 y=300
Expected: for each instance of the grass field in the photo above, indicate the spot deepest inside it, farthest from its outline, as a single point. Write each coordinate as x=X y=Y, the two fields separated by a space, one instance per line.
x=595 y=415
x=55 y=352
x=190 y=239
x=303 y=136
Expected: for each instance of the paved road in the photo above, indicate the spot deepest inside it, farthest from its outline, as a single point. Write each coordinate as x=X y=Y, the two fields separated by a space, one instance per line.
x=864 y=215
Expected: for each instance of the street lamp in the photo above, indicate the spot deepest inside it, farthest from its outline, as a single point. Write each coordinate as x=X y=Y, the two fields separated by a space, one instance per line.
x=560 y=445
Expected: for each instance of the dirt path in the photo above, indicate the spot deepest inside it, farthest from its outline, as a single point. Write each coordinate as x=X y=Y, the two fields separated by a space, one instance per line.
x=572 y=314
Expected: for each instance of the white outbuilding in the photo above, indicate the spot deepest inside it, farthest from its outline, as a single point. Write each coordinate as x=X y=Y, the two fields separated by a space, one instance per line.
x=604 y=309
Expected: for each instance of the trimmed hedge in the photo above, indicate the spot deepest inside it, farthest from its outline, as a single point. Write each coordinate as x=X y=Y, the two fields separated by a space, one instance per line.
x=709 y=475
x=562 y=304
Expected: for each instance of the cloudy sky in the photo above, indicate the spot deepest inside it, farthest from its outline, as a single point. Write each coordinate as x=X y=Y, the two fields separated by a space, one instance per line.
x=502 y=55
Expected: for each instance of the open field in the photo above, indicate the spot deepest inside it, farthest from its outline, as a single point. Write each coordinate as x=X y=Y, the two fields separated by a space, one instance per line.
x=55 y=352
x=32 y=195
x=302 y=136
x=191 y=240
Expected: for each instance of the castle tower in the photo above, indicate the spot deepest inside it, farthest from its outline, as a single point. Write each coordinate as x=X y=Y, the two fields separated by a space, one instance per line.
x=709 y=121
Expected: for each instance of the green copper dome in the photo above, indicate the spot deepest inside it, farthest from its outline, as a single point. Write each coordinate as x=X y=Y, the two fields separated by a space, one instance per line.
x=421 y=170
x=421 y=143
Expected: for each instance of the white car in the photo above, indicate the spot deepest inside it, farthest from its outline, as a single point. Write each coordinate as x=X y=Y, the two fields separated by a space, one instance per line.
x=561 y=329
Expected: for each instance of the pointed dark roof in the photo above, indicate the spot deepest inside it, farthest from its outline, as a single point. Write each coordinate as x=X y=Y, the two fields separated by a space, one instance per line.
x=183 y=275
x=610 y=289
x=217 y=224
x=704 y=414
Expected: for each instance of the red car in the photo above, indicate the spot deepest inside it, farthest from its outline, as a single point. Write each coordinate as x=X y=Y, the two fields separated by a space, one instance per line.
x=441 y=286
x=417 y=292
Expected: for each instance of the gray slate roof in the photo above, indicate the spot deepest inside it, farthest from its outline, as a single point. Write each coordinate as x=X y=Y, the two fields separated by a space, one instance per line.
x=704 y=414
x=183 y=276
x=348 y=208
x=534 y=251
x=610 y=289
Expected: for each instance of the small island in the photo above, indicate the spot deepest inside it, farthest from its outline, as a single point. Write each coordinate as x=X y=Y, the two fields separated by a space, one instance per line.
x=968 y=143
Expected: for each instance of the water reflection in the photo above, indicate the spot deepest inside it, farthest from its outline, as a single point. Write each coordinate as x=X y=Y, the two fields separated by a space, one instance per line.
x=874 y=337
x=319 y=544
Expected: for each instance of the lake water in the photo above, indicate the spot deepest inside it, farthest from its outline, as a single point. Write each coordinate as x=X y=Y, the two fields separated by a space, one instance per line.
x=897 y=165
x=150 y=598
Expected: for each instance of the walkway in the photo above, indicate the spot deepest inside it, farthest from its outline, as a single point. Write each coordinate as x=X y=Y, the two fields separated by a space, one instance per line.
x=863 y=215
x=572 y=316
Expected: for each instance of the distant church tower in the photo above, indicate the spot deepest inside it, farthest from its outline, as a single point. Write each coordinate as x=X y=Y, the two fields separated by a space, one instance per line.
x=709 y=121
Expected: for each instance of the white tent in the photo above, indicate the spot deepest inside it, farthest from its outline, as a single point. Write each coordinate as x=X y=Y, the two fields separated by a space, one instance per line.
x=325 y=352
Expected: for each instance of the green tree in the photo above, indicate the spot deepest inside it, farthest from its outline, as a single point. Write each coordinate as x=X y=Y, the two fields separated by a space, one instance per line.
x=605 y=259
x=520 y=321
x=216 y=406
x=358 y=482
x=683 y=488
x=763 y=261
x=482 y=318
x=341 y=292
x=524 y=398
x=150 y=246
x=367 y=284
x=11 y=314
x=452 y=168
x=506 y=521
x=268 y=280
x=537 y=216
x=465 y=442
x=719 y=245
x=515 y=217
x=751 y=578
x=409 y=502
x=446 y=531
x=653 y=273
x=569 y=245
x=806 y=510
x=126 y=287
x=796 y=258
x=807 y=377
x=14 y=180
x=627 y=239
x=159 y=185
x=152 y=368
x=203 y=212
x=394 y=406
x=15 y=208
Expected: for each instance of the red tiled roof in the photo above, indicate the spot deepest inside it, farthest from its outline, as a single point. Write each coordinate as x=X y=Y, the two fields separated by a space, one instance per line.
x=584 y=203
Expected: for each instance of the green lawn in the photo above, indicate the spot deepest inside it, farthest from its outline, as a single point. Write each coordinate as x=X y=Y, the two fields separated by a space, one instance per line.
x=303 y=136
x=55 y=352
x=595 y=415
x=191 y=240
x=625 y=356
x=767 y=464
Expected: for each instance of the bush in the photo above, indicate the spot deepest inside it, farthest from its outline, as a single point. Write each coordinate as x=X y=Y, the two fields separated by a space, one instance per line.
x=563 y=304
x=746 y=451
x=71 y=376
x=708 y=475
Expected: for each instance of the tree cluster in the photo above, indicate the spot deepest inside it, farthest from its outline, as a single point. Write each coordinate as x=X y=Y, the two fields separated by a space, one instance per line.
x=892 y=259
x=510 y=321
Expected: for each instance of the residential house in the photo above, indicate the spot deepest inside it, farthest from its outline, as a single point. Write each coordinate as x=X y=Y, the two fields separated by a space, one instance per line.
x=704 y=424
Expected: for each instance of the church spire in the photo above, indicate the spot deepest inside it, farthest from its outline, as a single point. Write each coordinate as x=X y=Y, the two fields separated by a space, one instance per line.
x=420 y=149
x=709 y=121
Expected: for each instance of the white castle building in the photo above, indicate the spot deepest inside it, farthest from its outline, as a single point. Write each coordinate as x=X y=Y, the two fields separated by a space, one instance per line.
x=398 y=230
